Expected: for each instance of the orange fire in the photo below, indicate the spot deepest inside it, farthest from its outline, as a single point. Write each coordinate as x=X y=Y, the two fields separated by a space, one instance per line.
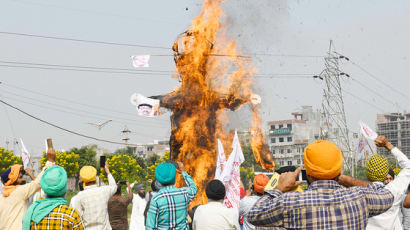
x=214 y=76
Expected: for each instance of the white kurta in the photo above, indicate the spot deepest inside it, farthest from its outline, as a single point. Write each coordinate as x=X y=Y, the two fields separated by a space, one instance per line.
x=137 y=215
x=390 y=220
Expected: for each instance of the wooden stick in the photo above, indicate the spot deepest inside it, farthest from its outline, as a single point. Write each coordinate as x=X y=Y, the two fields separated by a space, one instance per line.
x=364 y=144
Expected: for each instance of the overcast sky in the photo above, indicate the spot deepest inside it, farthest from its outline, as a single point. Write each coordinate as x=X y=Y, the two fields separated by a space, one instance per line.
x=374 y=34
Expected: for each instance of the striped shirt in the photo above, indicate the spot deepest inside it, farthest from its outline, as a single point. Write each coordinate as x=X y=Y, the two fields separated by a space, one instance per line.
x=61 y=217
x=325 y=205
x=92 y=204
x=169 y=207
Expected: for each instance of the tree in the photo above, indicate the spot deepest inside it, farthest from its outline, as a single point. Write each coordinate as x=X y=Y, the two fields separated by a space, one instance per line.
x=8 y=159
x=125 y=151
x=87 y=157
x=153 y=161
x=69 y=161
x=123 y=167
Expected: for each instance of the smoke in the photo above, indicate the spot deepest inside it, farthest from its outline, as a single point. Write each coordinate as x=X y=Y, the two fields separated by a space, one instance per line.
x=257 y=25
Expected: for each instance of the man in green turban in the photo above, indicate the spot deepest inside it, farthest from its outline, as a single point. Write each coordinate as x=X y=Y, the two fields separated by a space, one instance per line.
x=52 y=212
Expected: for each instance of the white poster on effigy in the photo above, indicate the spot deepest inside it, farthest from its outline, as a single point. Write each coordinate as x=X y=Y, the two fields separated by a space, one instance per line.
x=231 y=175
x=140 y=61
x=220 y=162
x=25 y=155
x=145 y=106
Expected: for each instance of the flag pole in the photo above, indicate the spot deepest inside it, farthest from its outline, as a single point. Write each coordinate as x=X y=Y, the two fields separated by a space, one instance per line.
x=364 y=144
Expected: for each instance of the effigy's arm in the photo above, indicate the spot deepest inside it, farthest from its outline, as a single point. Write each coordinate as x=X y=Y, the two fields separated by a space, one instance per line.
x=168 y=101
x=232 y=101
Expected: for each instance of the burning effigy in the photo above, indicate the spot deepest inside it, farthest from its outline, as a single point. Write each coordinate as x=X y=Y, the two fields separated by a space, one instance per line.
x=214 y=76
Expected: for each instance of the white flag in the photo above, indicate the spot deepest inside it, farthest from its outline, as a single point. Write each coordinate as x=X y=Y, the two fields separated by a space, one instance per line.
x=140 y=61
x=25 y=156
x=361 y=146
x=367 y=131
x=231 y=175
x=221 y=161
x=45 y=141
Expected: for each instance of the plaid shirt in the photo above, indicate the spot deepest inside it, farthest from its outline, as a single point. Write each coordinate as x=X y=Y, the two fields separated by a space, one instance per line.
x=325 y=205
x=92 y=204
x=168 y=208
x=61 y=217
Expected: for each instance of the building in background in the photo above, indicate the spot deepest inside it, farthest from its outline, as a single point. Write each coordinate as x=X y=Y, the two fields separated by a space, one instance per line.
x=147 y=150
x=396 y=128
x=287 y=139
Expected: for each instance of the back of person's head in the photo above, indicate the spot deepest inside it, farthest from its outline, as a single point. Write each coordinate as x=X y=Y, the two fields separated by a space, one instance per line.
x=377 y=168
x=323 y=160
x=215 y=190
x=391 y=173
x=88 y=174
x=118 y=192
x=259 y=183
x=54 y=181
x=165 y=173
x=155 y=186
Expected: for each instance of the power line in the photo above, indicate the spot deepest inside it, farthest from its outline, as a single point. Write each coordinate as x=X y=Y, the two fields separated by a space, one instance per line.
x=85 y=113
x=45 y=66
x=86 y=41
x=378 y=79
x=150 y=46
x=61 y=128
x=361 y=99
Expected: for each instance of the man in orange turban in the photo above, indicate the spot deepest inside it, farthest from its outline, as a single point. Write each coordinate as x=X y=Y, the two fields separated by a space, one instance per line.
x=326 y=204
x=13 y=201
x=258 y=187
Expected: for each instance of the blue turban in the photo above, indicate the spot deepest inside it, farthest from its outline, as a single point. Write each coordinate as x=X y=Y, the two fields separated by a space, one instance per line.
x=5 y=175
x=54 y=181
x=165 y=173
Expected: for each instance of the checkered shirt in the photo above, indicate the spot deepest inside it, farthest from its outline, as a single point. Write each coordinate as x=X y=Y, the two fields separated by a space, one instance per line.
x=92 y=204
x=325 y=205
x=61 y=217
x=168 y=208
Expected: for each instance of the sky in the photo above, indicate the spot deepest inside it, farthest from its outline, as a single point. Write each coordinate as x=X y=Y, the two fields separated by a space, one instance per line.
x=293 y=35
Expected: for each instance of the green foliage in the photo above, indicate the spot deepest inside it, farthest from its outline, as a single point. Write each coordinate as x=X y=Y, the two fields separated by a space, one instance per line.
x=8 y=159
x=151 y=164
x=247 y=175
x=359 y=173
x=125 y=151
x=87 y=155
x=123 y=167
x=69 y=161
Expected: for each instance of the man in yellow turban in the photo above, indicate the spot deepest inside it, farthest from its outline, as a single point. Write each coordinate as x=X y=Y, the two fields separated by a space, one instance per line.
x=326 y=204
x=13 y=201
x=377 y=169
x=92 y=202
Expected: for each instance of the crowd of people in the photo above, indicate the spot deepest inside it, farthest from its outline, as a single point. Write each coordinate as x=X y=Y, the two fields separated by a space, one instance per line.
x=331 y=201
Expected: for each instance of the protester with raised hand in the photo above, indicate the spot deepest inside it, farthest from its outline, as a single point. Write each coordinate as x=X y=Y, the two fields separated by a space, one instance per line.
x=13 y=200
x=377 y=170
x=326 y=204
x=169 y=207
x=139 y=204
x=215 y=215
x=92 y=203
x=117 y=208
x=52 y=213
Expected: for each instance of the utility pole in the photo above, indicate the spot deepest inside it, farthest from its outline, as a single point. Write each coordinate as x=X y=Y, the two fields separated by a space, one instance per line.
x=333 y=126
x=125 y=132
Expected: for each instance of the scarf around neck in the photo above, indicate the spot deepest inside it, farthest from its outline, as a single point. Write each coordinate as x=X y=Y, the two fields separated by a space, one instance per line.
x=41 y=208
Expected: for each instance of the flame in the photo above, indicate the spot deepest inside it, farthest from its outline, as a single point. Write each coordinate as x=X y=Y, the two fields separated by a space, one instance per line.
x=214 y=76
